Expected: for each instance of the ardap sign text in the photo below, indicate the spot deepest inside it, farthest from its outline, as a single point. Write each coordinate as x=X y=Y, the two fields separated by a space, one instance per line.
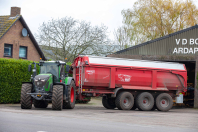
x=186 y=50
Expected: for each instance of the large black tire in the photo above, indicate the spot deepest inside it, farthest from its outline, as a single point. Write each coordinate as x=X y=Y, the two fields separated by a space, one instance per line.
x=26 y=99
x=40 y=104
x=57 y=97
x=71 y=97
x=145 y=101
x=164 y=102
x=124 y=101
x=108 y=103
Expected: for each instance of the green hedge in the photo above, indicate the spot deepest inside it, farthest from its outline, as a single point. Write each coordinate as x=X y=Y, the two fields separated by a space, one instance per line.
x=12 y=73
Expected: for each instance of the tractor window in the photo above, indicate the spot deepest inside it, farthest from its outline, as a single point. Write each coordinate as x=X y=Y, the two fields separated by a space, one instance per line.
x=50 y=68
x=62 y=71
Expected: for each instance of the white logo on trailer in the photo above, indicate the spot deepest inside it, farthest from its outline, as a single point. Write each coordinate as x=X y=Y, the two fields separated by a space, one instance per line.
x=90 y=72
x=124 y=77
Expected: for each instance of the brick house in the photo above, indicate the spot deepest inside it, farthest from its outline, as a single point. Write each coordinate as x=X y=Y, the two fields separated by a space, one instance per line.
x=16 y=39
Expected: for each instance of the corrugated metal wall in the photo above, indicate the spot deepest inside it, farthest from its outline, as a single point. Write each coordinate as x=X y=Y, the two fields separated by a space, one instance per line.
x=166 y=45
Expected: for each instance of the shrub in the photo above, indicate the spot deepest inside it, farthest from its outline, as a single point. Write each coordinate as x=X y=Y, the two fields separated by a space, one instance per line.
x=12 y=73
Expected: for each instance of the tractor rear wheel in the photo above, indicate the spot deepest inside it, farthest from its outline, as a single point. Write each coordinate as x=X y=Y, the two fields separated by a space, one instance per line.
x=145 y=101
x=57 y=97
x=164 y=102
x=71 y=97
x=124 y=101
x=26 y=99
x=108 y=103
x=40 y=104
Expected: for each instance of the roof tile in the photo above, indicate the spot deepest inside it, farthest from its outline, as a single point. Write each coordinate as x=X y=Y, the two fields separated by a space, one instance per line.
x=6 y=22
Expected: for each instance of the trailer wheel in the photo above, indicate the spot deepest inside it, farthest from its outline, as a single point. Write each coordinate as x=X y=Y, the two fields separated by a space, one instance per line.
x=108 y=103
x=26 y=99
x=124 y=101
x=145 y=101
x=40 y=104
x=57 y=97
x=164 y=102
x=71 y=96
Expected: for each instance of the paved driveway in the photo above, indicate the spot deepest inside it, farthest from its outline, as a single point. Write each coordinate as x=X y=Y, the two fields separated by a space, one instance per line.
x=93 y=113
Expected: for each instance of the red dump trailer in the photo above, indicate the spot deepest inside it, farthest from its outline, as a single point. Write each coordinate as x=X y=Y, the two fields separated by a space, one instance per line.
x=129 y=83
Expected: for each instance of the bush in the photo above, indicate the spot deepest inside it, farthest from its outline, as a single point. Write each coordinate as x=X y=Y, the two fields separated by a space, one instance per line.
x=12 y=73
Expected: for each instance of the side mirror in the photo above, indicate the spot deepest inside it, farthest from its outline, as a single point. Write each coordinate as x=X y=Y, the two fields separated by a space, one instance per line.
x=67 y=68
x=30 y=68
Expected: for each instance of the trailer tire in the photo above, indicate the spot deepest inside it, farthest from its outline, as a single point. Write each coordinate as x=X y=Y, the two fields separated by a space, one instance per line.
x=57 y=97
x=71 y=97
x=26 y=99
x=124 y=101
x=164 y=102
x=145 y=101
x=108 y=103
x=40 y=104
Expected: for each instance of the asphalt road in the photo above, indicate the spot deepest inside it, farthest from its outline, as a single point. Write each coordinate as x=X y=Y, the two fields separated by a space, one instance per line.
x=95 y=118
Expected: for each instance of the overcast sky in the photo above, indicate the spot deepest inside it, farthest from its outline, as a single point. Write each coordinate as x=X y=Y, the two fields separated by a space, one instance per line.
x=35 y=12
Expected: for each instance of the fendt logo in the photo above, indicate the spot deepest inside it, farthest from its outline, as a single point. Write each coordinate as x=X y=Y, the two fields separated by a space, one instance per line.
x=186 y=42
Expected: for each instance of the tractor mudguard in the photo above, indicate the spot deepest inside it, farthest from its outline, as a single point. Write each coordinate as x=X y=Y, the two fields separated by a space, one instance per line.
x=68 y=80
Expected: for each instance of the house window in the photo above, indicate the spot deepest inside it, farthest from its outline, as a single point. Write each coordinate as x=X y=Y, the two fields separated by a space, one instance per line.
x=23 y=52
x=7 y=50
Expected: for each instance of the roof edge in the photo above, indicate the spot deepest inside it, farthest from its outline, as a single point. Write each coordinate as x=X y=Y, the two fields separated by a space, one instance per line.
x=33 y=39
x=157 y=39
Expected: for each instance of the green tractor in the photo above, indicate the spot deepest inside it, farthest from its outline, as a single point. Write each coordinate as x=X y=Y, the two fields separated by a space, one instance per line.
x=52 y=84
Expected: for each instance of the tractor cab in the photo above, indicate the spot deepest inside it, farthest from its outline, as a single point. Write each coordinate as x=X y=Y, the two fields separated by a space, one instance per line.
x=56 y=68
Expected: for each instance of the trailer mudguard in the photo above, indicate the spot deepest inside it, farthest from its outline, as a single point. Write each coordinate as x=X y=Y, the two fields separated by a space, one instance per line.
x=115 y=92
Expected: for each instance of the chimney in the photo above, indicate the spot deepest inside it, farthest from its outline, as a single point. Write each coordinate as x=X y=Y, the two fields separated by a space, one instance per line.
x=15 y=11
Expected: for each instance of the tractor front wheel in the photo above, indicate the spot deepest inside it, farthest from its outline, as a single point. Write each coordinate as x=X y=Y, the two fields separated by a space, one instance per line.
x=57 y=97
x=26 y=99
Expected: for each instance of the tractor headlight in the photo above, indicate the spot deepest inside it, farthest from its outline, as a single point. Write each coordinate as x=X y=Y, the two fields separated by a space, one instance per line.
x=43 y=80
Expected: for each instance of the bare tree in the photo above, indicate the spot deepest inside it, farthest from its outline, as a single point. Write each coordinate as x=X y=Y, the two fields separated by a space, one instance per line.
x=122 y=39
x=67 y=37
